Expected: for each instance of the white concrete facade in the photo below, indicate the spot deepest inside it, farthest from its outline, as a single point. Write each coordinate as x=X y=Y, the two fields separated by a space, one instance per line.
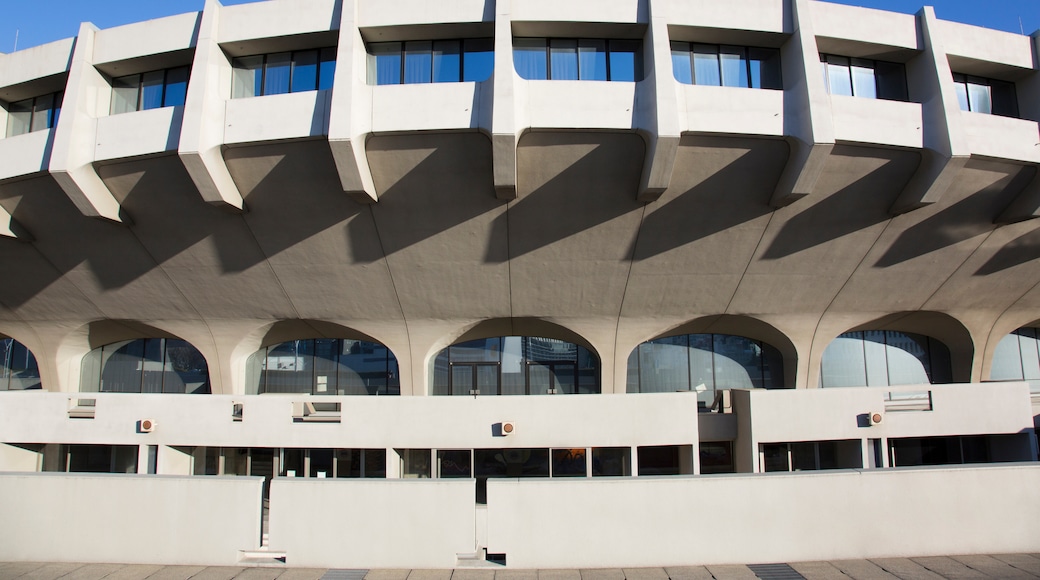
x=604 y=214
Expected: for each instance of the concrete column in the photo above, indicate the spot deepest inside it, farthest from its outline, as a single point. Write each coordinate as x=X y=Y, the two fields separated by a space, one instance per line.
x=946 y=147
x=87 y=96
x=350 y=116
x=657 y=106
x=1026 y=204
x=505 y=129
x=808 y=123
x=202 y=131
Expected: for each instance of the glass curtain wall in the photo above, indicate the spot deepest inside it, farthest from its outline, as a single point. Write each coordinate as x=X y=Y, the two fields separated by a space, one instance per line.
x=283 y=72
x=18 y=368
x=879 y=358
x=149 y=365
x=1017 y=358
x=705 y=363
x=726 y=66
x=585 y=59
x=515 y=365
x=324 y=366
x=426 y=61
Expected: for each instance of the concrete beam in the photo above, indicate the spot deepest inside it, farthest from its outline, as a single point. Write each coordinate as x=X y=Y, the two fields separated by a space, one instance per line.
x=808 y=123
x=202 y=132
x=657 y=111
x=350 y=117
x=87 y=96
x=946 y=145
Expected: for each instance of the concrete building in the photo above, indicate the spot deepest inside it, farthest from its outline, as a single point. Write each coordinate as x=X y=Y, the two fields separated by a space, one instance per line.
x=761 y=274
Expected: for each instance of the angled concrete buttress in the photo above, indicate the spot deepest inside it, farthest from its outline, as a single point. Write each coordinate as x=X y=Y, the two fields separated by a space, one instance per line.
x=87 y=93
x=350 y=117
x=202 y=134
x=946 y=149
x=808 y=123
x=657 y=108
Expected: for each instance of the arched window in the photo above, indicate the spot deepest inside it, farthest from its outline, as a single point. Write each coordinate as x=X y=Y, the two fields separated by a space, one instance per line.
x=18 y=369
x=1017 y=358
x=705 y=363
x=145 y=365
x=324 y=366
x=515 y=365
x=879 y=358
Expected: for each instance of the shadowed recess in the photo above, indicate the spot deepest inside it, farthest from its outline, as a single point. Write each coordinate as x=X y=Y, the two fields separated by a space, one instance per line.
x=287 y=330
x=428 y=184
x=570 y=183
x=877 y=177
x=1023 y=249
x=725 y=182
x=981 y=192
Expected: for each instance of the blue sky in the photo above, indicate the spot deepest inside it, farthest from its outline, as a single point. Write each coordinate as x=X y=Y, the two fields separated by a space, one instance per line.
x=42 y=21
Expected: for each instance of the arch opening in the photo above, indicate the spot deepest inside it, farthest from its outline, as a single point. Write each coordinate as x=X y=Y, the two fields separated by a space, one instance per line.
x=880 y=358
x=324 y=366
x=19 y=370
x=145 y=365
x=1017 y=358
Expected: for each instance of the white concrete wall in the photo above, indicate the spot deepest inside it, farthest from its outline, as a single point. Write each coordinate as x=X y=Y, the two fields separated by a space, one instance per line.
x=1002 y=137
x=877 y=121
x=764 y=518
x=274 y=117
x=278 y=18
x=50 y=517
x=146 y=38
x=730 y=110
x=25 y=154
x=372 y=523
x=35 y=63
x=138 y=133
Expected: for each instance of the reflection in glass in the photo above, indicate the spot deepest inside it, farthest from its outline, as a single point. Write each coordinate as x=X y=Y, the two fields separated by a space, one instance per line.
x=883 y=358
x=1017 y=358
x=18 y=368
x=611 y=461
x=325 y=366
x=590 y=59
x=568 y=462
x=149 y=365
x=515 y=365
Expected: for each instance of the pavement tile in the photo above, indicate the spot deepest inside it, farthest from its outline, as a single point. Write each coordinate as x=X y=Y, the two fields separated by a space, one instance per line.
x=471 y=574
x=602 y=574
x=1022 y=562
x=689 y=573
x=948 y=568
x=559 y=575
x=256 y=574
x=645 y=574
x=429 y=575
x=991 y=566
x=301 y=574
x=862 y=570
x=906 y=569
x=11 y=570
x=91 y=572
x=731 y=572
x=387 y=574
x=516 y=575
x=52 y=571
x=818 y=571
x=217 y=573
x=133 y=572
x=176 y=572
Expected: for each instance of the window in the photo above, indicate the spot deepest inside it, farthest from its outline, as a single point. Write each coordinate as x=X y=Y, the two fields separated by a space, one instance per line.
x=861 y=77
x=987 y=96
x=35 y=114
x=811 y=455
x=283 y=72
x=515 y=365
x=726 y=66
x=150 y=90
x=18 y=368
x=1017 y=358
x=324 y=366
x=585 y=59
x=150 y=365
x=705 y=363
x=884 y=357
x=426 y=61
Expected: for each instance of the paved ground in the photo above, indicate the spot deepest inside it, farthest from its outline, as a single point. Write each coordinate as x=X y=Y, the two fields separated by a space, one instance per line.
x=1002 y=566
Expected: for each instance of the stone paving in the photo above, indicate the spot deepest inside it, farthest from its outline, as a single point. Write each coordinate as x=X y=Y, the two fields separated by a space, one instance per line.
x=1000 y=566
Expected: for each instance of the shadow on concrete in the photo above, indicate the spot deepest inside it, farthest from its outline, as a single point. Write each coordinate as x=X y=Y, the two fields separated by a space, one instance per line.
x=1023 y=249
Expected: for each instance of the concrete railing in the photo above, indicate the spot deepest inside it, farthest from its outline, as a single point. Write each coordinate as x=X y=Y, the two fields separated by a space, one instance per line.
x=128 y=518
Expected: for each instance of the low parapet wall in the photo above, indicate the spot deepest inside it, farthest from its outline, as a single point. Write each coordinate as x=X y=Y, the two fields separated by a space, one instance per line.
x=153 y=519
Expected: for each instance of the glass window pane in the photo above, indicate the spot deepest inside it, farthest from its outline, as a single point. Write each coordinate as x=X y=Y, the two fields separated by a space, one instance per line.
x=568 y=462
x=706 y=65
x=152 y=90
x=277 y=72
x=664 y=365
x=733 y=61
x=327 y=68
x=592 y=60
x=454 y=464
x=23 y=372
x=563 y=59
x=462 y=379
x=626 y=64
x=738 y=362
x=246 y=77
x=876 y=358
x=682 y=64
x=1005 y=100
x=304 y=70
x=979 y=99
x=176 y=87
x=1007 y=359
x=487 y=379
x=152 y=366
x=863 y=84
x=891 y=81
x=121 y=367
x=186 y=369
x=764 y=65
x=775 y=458
x=539 y=379
x=42 y=112
x=702 y=367
x=962 y=95
x=480 y=350
x=529 y=58
x=908 y=360
x=803 y=456
x=387 y=63
x=19 y=115
x=415 y=463
x=56 y=110
x=1028 y=348
x=843 y=364
x=124 y=94
x=447 y=61
x=839 y=81
x=611 y=461
x=478 y=60
x=418 y=62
